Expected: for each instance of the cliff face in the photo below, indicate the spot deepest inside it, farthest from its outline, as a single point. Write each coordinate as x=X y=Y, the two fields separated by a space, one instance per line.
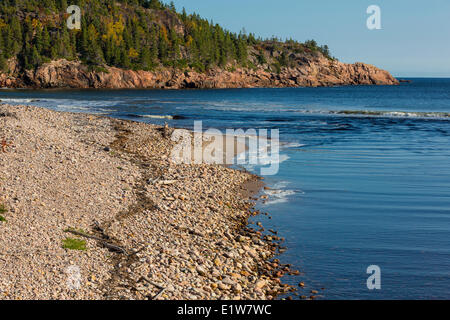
x=313 y=72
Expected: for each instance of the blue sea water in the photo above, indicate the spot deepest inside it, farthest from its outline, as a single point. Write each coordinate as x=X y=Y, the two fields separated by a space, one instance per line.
x=365 y=176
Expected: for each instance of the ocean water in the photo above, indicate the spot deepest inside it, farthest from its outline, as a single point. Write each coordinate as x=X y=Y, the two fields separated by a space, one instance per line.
x=364 y=174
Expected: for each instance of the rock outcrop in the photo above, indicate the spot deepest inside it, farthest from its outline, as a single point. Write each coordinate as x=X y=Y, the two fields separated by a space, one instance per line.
x=308 y=72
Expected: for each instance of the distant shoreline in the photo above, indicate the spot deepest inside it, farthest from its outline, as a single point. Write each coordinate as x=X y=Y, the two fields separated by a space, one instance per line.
x=318 y=71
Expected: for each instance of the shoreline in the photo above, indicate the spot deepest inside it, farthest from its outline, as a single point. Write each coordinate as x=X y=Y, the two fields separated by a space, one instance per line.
x=316 y=71
x=183 y=229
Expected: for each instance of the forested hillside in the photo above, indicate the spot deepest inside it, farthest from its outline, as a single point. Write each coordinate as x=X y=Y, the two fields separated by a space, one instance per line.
x=148 y=44
x=130 y=34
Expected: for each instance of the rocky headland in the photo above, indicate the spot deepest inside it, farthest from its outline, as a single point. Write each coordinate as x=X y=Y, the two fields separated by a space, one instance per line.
x=312 y=71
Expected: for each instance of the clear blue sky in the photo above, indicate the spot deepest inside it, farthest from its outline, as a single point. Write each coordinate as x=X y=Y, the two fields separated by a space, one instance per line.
x=414 y=40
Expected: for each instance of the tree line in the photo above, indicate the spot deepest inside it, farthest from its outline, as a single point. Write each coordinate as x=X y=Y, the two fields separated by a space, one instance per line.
x=130 y=34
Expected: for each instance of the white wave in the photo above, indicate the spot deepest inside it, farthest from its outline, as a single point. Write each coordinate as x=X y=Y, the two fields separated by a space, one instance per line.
x=84 y=103
x=269 y=159
x=401 y=114
x=18 y=100
x=64 y=107
x=391 y=114
x=287 y=145
x=262 y=157
x=276 y=201
x=278 y=193
x=281 y=184
x=64 y=103
x=153 y=116
x=260 y=153
x=101 y=113
x=277 y=196
x=103 y=110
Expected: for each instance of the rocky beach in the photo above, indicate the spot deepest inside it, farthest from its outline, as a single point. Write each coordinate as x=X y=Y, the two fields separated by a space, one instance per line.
x=146 y=228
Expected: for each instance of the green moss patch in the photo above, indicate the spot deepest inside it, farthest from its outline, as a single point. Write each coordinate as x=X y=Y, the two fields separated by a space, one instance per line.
x=2 y=211
x=74 y=244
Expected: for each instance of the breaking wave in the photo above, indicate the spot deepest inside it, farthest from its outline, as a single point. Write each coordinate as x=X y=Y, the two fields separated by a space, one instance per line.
x=393 y=114
x=157 y=116
x=279 y=194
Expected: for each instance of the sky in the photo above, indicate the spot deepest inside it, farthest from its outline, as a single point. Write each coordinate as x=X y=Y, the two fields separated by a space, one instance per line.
x=414 y=39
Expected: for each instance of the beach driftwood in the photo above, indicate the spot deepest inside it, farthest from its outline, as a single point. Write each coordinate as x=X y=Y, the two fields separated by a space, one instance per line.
x=160 y=287
x=106 y=244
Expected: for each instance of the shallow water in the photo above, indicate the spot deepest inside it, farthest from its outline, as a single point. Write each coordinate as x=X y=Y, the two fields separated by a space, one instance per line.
x=364 y=178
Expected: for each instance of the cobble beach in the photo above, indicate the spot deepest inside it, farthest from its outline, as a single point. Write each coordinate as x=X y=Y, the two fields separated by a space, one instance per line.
x=152 y=229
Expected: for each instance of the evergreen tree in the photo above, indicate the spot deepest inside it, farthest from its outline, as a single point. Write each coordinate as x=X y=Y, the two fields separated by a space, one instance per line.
x=145 y=59
x=138 y=34
x=3 y=63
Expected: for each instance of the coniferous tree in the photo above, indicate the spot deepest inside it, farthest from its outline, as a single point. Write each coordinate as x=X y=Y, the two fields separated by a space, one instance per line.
x=3 y=63
x=138 y=34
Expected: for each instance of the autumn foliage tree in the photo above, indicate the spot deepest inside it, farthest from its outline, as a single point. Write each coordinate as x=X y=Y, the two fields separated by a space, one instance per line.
x=134 y=34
